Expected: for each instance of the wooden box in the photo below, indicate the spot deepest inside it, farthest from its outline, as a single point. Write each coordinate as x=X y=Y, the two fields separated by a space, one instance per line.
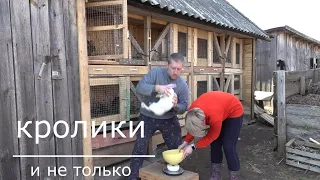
x=303 y=154
x=154 y=172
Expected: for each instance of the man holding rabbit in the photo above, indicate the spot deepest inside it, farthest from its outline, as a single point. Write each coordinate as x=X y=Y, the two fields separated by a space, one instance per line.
x=160 y=81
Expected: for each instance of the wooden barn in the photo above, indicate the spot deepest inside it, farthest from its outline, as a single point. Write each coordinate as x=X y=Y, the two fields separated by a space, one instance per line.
x=288 y=50
x=80 y=60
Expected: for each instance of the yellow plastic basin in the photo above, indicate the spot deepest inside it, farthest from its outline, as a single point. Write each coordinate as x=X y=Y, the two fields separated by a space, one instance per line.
x=173 y=157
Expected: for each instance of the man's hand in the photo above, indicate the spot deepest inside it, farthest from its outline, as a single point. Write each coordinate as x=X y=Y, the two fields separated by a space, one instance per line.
x=187 y=151
x=163 y=89
x=175 y=100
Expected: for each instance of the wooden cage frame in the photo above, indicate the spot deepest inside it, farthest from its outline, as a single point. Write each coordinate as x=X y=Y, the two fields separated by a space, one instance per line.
x=126 y=69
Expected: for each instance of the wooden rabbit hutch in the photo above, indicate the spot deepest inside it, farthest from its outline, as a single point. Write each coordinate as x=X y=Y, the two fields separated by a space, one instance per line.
x=126 y=38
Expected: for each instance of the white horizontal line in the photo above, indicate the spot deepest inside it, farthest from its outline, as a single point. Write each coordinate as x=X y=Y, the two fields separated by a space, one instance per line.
x=74 y=156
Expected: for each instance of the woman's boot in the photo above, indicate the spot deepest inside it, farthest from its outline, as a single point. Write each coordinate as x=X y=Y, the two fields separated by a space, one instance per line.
x=215 y=171
x=233 y=175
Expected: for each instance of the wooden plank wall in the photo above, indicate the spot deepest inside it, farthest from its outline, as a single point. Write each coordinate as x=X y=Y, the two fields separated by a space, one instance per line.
x=295 y=51
x=24 y=81
x=43 y=87
x=31 y=31
x=247 y=70
x=9 y=167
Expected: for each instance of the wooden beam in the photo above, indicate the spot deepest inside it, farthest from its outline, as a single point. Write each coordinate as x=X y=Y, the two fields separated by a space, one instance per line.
x=281 y=112
x=190 y=49
x=175 y=30
x=205 y=69
x=125 y=29
x=210 y=49
x=216 y=82
x=227 y=83
x=117 y=70
x=104 y=3
x=84 y=85
x=193 y=58
x=147 y=38
x=105 y=57
x=302 y=85
x=233 y=53
x=253 y=77
x=170 y=38
x=209 y=83
x=135 y=44
x=156 y=21
x=228 y=45
x=159 y=40
x=232 y=84
x=134 y=16
x=221 y=60
x=104 y=28
x=195 y=46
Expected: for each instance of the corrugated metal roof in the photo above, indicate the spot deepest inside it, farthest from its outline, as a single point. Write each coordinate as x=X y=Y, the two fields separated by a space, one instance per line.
x=218 y=12
x=293 y=31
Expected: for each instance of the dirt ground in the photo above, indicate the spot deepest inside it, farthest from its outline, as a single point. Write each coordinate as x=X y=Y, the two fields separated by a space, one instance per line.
x=257 y=158
x=312 y=97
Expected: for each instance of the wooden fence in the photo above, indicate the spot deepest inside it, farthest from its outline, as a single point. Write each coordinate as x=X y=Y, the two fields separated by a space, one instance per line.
x=291 y=120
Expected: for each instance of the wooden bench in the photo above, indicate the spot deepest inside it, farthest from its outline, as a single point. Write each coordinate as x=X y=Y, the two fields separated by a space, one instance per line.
x=154 y=172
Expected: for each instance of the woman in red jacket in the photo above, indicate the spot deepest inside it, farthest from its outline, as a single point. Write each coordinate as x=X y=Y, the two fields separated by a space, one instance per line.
x=216 y=118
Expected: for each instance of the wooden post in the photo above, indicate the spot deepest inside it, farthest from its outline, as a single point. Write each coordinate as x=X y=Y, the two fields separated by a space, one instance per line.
x=302 y=85
x=210 y=49
x=281 y=112
x=275 y=110
x=189 y=52
x=84 y=85
x=175 y=38
x=194 y=56
x=170 y=35
x=195 y=46
x=147 y=49
x=232 y=84
x=253 y=77
x=125 y=29
x=128 y=105
x=147 y=39
x=316 y=75
x=210 y=60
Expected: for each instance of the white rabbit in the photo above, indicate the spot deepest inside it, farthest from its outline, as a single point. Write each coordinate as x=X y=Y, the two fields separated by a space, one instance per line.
x=164 y=105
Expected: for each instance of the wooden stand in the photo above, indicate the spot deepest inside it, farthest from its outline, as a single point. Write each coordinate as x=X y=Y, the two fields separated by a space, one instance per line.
x=154 y=172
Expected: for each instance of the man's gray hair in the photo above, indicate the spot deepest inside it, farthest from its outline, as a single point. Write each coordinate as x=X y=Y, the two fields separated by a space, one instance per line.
x=195 y=122
x=175 y=57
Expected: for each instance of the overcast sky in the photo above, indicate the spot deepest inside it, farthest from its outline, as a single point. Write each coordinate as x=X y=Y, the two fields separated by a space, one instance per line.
x=301 y=15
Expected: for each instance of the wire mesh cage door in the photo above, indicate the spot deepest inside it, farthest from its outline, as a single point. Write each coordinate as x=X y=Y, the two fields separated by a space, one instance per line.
x=108 y=99
x=107 y=30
